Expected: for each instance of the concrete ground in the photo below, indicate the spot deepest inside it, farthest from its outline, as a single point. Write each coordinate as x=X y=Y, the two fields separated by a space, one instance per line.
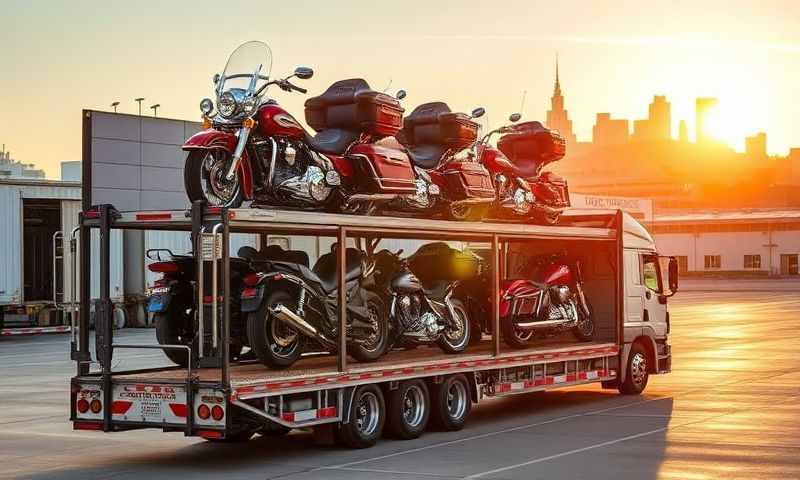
x=729 y=410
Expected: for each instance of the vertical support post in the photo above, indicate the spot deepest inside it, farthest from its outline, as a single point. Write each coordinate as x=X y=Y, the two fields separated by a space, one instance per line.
x=341 y=263
x=103 y=312
x=197 y=246
x=82 y=355
x=226 y=297
x=495 y=295
x=620 y=290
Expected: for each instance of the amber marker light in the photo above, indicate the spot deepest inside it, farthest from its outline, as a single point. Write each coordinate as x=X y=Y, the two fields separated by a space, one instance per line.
x=248 y=123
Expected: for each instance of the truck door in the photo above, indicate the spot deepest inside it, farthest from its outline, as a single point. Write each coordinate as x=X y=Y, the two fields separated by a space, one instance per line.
x=634 y=295
x=655 y=303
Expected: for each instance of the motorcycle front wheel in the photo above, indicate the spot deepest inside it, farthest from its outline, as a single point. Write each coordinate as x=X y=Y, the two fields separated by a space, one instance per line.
x=204 y=178
x=456 y=338
x=374 y=343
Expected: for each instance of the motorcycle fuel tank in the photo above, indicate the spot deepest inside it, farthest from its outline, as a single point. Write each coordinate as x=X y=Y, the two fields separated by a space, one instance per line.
x=556 y=274
x=406 y=282
x=275 y=121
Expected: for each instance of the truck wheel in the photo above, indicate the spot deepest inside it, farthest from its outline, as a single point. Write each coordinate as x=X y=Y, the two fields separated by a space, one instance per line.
x=276 y=344
x=636 y=374
x=456 y=339
x=169 y=331
x=407 y=410
x=514 y=337
x=367 y=416
x=373 y=345
x=451 y=403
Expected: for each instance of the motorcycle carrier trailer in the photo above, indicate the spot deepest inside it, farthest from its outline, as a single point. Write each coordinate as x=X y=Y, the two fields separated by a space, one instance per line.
x=216 y=399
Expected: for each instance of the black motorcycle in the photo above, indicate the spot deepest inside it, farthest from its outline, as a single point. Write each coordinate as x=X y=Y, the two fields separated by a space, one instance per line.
x=173 y=304
x=423 y=309
x=291 y=307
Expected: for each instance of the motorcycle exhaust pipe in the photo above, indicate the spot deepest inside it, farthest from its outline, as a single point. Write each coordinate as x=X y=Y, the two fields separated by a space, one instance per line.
x=295 y=321
x=544 y=324
x=473 y=201
x=377 y=197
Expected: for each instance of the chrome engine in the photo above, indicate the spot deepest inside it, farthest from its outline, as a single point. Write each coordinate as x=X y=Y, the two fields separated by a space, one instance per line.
x=419 y=325
x=297 y=174
x=426 y=191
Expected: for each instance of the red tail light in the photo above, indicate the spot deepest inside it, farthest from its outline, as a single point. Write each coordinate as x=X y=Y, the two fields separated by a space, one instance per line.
x=91 y=214
x=83 y=405
x=251 y=279
x=95 y=406
x=203 y=411
x=217 y=413
x=248 y=293
x=163 y=267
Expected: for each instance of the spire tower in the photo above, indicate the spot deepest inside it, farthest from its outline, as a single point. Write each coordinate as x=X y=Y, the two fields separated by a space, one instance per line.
x=557 y=117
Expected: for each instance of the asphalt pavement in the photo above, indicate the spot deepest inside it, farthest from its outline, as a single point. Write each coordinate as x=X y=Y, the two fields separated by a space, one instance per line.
x=729 y=409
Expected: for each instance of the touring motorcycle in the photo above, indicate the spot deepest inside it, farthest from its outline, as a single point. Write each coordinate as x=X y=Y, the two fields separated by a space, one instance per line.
x=253 y=150
x=524 y=191
x=549 y=300
x=449 y=184
x=292 y=308
x=423 y=312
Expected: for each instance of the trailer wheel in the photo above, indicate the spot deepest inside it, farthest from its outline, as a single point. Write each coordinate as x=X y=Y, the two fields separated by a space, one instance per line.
x=276 y=344
x=636 y=375
x=455 y=340
x=408 y=410
x=367 y=416
x=451 y=403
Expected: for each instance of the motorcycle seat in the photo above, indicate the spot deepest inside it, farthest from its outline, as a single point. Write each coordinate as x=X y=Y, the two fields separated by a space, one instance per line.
x=333 y=140
x=325 y=269
x=274 y=253
x=426 y=156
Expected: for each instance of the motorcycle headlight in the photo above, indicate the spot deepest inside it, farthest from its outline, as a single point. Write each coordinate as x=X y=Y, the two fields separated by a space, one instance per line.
x=227 y=104
x=249 y=105
x=206 y=106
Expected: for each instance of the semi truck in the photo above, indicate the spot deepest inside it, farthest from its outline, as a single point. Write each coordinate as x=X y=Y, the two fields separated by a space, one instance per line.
x=406 y=390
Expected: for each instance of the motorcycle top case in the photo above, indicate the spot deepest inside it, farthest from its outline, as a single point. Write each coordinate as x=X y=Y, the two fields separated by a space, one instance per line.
x=434 y=124
x=439 y=261
x=386 y=169
x=351 y=105
x=467 y=179
x=532 y=142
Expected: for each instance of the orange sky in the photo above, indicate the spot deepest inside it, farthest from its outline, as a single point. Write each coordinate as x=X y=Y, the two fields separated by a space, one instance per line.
x=60 y=57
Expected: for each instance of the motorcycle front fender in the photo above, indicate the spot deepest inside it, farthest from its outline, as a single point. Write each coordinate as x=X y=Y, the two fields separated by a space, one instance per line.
x=216 y=139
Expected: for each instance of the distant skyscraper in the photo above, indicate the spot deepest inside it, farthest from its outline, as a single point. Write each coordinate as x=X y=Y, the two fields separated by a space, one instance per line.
x=702 y=110
x=609 y=132
x=557 y=117
x=683 y=132
x=660 y=116
x=755 y=147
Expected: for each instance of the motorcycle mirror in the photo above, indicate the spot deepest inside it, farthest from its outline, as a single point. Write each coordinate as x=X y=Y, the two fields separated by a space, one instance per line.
x=303 y=73
x=478 y=112
x=401 y=94
x=514 y=117
x=216 y=78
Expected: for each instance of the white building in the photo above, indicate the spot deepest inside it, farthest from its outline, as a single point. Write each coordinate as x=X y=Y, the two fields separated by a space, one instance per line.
x=765 y=242
x=10 y=168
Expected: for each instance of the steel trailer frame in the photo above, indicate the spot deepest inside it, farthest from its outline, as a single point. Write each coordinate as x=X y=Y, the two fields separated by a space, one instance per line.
x=495 y=375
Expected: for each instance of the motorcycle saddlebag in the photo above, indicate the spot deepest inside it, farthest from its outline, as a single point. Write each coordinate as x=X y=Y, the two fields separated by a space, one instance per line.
x=384 y=170
x=439 y=261
x=531 y=141
x=466 y=179
x=458 y=130
x=434 y=124
x=351 y=105
x=551 y=190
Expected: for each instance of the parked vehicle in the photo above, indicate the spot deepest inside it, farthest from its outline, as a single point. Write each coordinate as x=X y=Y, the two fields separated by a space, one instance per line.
x=450 y=184
x=288 y=304
x=524 y=191
x=423 y=311
x=173 y=304
x=254 y=150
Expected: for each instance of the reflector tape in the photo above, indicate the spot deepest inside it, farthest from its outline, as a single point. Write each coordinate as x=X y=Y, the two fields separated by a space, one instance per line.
x=306 y=415
x=153 y=216
x=508 y=387
x=120 y=407
x=178 y=409
x=35 y=330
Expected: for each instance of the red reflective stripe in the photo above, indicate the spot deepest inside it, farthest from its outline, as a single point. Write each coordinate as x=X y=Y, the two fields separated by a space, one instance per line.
x=326 y=412
x=178 y=409
x=154 y=216
x=87 y=426
x=289 y=416
x=210 y=433
x=120 y=407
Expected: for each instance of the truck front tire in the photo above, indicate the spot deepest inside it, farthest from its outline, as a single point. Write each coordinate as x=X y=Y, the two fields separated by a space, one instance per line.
x=636 y=373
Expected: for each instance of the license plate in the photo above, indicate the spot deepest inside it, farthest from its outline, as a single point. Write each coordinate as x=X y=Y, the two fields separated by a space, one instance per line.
x=149 y=403
x=157 y=303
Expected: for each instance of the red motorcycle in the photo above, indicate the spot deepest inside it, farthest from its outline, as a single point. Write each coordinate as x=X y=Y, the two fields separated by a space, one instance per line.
x=449 y=183
x=253 y=150
x=523 y=190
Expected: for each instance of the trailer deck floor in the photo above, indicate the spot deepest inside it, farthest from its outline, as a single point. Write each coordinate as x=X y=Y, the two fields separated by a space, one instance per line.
x=248 y=372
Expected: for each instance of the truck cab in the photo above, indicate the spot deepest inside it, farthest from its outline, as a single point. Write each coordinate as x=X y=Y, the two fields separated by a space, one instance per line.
x=649 y=280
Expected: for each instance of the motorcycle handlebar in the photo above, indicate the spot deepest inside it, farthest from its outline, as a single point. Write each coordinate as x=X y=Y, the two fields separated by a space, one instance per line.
x=295 y=87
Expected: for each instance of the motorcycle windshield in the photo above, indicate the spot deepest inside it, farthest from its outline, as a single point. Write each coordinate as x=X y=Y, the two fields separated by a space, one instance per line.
x=247 y=70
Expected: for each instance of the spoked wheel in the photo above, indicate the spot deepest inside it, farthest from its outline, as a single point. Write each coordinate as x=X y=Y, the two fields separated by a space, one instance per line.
x=584 y=330
x=372 y=341
x=276 y=344
x=367 y=417
x=451 y=403
x=456 y=337
x=204 y=177
x=515 y=337
x=408 y=409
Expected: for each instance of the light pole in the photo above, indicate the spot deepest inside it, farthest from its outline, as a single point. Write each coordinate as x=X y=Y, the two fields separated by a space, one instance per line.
x=114 y=106
x=154 y=108
x=139 y=101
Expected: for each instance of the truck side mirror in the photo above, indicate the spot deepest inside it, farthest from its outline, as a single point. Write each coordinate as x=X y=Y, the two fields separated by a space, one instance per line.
x=673 y=276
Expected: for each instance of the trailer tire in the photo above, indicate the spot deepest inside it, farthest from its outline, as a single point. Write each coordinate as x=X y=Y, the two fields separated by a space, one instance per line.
x=367 y=417
x=451 y=403
x=636 y=374
x=263 y=331
x=408 y=410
